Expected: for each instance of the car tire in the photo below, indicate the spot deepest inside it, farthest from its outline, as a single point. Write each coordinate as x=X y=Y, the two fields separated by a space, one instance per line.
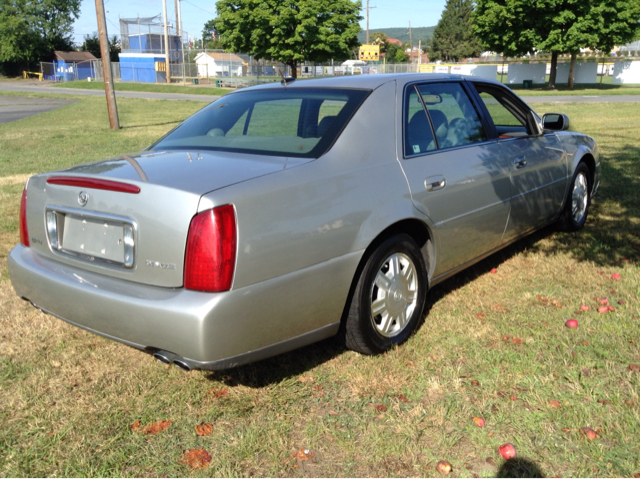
x=576 y=208
x=389 y=297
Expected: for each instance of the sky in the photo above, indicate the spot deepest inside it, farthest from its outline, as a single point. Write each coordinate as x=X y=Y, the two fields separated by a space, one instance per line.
x=195 y=13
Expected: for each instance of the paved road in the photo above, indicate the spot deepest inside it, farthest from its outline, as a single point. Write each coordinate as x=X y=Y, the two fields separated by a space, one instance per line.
x=14 y=108
x=35 y=88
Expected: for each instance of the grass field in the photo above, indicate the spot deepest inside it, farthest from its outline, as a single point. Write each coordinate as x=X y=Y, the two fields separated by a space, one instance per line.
x=493 y=345
x=148 y=87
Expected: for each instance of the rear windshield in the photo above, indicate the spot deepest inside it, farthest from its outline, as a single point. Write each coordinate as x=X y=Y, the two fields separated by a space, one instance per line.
x=296 y=122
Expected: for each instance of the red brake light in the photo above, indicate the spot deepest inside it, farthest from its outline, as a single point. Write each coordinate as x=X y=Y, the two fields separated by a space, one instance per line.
x=24 y=233
x=210 y=259
x=94 y=183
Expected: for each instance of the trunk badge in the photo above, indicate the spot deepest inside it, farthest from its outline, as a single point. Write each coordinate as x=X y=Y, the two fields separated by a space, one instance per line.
x=83 y=198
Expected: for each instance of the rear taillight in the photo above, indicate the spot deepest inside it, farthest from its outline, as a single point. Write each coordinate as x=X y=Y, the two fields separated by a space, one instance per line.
x=24 y=232
x=211 y=250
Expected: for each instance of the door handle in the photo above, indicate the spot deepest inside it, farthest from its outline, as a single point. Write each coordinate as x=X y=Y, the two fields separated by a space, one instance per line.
x=435 y=183
x=520 y=162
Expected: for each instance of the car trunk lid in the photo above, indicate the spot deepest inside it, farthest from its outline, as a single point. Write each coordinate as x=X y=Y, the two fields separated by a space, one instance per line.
x=129 y=217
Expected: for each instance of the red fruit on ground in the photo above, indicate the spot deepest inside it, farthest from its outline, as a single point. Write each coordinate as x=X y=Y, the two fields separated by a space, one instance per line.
x=494 y=271
x=611 y=308
x=584 y=307
x=589 y=433
x=479 y=421
x=507 y=451
x=604 y=301
x=572 y=323
x=603 y=309
x=615 y=276
x=444 y=467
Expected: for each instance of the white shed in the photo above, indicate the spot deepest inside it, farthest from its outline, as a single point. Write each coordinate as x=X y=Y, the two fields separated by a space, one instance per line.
x=211 y=64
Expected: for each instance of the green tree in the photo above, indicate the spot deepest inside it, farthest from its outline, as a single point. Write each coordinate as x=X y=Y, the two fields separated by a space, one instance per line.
x=290 y=31
x=91 y=44
x=207 y=34
x=380 y=39
x=453 y=37
x=401 y=56
x=30 y=31
x=518 y=27
x=18 y=41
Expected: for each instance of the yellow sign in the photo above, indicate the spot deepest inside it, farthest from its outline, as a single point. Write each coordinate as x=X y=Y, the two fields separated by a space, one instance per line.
x=161 y=66
x=426 y=69
x=370 y=53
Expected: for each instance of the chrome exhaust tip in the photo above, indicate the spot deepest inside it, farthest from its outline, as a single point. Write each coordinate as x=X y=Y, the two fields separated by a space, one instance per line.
x=182 y=365
x=164 y=356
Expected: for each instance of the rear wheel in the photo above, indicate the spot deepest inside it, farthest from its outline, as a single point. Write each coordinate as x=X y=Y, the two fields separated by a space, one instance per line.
x=389 y=298
x=576 y=208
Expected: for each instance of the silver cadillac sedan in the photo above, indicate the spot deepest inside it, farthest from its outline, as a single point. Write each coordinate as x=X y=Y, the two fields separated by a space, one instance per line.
x=284 y=214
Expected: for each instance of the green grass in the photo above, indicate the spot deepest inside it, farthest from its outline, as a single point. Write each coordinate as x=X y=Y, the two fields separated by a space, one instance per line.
x=68 y=398
x=148 y=87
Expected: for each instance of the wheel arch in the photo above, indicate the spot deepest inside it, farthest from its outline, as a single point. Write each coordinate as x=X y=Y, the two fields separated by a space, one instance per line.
x=418 y=230
x=588 y=159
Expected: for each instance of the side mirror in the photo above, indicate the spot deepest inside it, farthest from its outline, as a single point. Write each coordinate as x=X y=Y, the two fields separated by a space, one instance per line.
x=555 y=121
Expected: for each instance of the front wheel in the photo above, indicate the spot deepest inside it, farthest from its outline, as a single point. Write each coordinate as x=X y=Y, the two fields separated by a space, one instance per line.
x=388 y=300
x=576 y=208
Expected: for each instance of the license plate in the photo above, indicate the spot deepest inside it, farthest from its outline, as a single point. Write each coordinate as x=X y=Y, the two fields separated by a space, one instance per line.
x=94 y=237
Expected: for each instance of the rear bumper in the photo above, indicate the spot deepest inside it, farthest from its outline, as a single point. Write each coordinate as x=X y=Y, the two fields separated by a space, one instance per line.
x=205 y=330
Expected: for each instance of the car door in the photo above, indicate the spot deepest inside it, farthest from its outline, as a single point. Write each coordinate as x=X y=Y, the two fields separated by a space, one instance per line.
x=457 y=177
x=537 y=161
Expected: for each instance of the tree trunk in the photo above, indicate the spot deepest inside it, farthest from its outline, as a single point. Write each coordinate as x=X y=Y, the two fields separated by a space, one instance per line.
x=552 y=74
x=572 y=69
x=294 y=68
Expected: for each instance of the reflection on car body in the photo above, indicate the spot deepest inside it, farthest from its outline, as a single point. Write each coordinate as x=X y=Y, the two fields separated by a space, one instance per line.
x=278 y=216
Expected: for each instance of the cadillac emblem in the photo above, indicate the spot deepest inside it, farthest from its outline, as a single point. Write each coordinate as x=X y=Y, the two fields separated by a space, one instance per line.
x=83 y=198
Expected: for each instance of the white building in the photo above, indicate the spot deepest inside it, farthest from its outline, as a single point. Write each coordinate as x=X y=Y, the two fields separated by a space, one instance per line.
x=218 y=64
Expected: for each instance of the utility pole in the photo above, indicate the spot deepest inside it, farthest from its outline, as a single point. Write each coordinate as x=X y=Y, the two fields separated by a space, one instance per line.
x=112 y=108
x=368 y=8
x=410 y=37
x=166 y=40
x=178 y=25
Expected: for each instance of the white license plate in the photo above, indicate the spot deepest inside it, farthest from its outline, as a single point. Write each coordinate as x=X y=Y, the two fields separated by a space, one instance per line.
x=93 y=237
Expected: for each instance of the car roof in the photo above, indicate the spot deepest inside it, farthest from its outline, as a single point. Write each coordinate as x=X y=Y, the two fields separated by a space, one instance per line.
x=369 y=82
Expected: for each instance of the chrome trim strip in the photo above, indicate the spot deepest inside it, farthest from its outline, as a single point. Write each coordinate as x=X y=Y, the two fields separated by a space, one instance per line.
x=539 y=188
x=472 y=212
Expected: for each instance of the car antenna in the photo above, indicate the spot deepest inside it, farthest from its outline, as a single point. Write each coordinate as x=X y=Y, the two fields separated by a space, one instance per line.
x=285 y=80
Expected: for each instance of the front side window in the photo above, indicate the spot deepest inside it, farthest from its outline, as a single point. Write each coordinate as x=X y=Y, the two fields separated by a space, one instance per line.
x=297 y=122
x=454 y=118
x=509 y=118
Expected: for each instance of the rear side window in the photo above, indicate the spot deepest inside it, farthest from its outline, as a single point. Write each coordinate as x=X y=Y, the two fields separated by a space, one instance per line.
x=418 y=136
x=296 y=122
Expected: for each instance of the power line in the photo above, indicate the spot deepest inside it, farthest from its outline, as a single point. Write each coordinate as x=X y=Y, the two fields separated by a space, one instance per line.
x=206 y=11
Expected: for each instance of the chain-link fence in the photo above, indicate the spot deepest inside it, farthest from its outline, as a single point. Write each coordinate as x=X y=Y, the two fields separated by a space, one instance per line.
x=230 y=70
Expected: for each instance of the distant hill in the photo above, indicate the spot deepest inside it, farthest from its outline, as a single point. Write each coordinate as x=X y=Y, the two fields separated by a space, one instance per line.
x=402 y=34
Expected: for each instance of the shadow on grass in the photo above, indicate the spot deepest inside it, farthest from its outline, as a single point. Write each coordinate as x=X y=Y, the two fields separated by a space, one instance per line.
x=519 y=467
x=151 y=124
x=612 y=232
x=279 y=368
